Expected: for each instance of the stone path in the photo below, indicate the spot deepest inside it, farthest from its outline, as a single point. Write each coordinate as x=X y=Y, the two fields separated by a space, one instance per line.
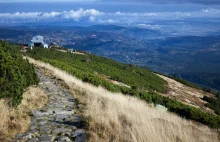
x=56 y=121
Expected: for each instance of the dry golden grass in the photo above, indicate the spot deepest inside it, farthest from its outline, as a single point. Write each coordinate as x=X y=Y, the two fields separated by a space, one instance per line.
x=116 y=117
x=17 y=120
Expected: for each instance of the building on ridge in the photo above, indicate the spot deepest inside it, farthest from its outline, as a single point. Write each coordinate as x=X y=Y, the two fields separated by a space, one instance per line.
x=37 y=41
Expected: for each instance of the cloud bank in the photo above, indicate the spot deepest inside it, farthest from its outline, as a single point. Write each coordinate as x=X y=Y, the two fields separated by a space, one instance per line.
x=95 y=16
x=74 y=15
x=200 y=22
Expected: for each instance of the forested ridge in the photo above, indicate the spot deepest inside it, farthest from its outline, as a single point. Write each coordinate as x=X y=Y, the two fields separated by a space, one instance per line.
x=15 y=73
x=142 y=81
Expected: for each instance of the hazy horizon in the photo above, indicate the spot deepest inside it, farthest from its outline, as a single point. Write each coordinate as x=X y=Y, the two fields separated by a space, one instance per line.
x=189 y=17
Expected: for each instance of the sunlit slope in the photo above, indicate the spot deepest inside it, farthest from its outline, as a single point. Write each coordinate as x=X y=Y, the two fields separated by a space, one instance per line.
x=137 y=81
x=116 y=117
x=89 y=67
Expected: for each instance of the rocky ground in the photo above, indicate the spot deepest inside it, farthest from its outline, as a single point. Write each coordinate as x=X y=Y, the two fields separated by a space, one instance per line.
x=57 y=121
x=185 y=94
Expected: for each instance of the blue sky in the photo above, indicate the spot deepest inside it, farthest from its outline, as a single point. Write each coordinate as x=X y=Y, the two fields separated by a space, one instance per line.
x=209 y=2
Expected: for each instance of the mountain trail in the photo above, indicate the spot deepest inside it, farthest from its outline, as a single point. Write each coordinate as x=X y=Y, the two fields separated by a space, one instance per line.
x=56 y=121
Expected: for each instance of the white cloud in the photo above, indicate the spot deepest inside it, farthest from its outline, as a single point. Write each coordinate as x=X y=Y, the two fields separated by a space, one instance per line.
x=92 y=18
x=51 y=14
x=211 y=10
x=112 y=21
x=75 y=15
x=93 y=15
x=149 y=26
x=127 y=14
x=20 y=15
x=150 y=14
x=205 y=10
x=108 y=21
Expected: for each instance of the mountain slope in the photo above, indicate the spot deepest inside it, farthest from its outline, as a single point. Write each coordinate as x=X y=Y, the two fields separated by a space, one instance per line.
x=186 y=94
x=89 y=68
x=116 y=117
x=143 y=83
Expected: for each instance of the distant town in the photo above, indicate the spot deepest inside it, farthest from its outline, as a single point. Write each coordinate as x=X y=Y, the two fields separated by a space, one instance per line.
x=142 y=47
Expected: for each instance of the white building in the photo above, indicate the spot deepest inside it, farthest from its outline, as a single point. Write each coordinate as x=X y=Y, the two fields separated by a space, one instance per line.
x=38 y=41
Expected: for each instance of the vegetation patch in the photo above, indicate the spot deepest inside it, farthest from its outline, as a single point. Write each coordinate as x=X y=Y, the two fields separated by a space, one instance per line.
x=213 y=103
x=16 y=74
x=86 y=67
x=140 y=80
x=17 y=120
x=116 y=117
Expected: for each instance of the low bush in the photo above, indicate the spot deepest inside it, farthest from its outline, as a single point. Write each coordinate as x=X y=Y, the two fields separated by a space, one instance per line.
x=15 y=73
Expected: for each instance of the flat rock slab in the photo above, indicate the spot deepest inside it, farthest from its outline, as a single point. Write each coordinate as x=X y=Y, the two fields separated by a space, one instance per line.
x=56 y=121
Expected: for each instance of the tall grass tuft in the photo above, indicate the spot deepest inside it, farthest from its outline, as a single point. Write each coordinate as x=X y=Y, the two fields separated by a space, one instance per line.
x=17 y=120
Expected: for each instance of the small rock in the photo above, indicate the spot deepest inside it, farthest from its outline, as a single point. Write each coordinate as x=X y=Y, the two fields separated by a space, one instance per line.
x=34 y=131
x=45 y=130
x=62 y=131
x=33 y=127
x=46 y=138
x=66 y=112
x=51 y=118
x=79 y=135
x=42 y=123
x=33 y=121
x=58 y=105
x=37 y=113
x=43 y=110
x=75 y=119
x=61 y=116
x=71 y=100
x=27 y=136
x=73 y=128
x=63 y=139
x=78 y=132
x=24 y=137
x=81 y=138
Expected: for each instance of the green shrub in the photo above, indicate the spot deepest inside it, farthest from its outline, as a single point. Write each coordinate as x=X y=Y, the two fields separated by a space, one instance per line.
x=77 y=65
x=15 y=73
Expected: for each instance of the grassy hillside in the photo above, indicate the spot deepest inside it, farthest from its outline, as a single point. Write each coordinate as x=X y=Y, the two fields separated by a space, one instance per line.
x=89 y=67
x=15 y=73
x=116 y=117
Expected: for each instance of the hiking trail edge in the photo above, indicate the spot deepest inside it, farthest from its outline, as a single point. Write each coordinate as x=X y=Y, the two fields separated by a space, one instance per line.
x=56 y=121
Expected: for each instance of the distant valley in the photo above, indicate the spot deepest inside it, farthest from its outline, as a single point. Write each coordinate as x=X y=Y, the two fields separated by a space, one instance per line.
x=194 y=58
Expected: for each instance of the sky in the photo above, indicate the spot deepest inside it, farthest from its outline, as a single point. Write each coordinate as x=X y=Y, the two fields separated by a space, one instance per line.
x=209 y=2
x=175 y=16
